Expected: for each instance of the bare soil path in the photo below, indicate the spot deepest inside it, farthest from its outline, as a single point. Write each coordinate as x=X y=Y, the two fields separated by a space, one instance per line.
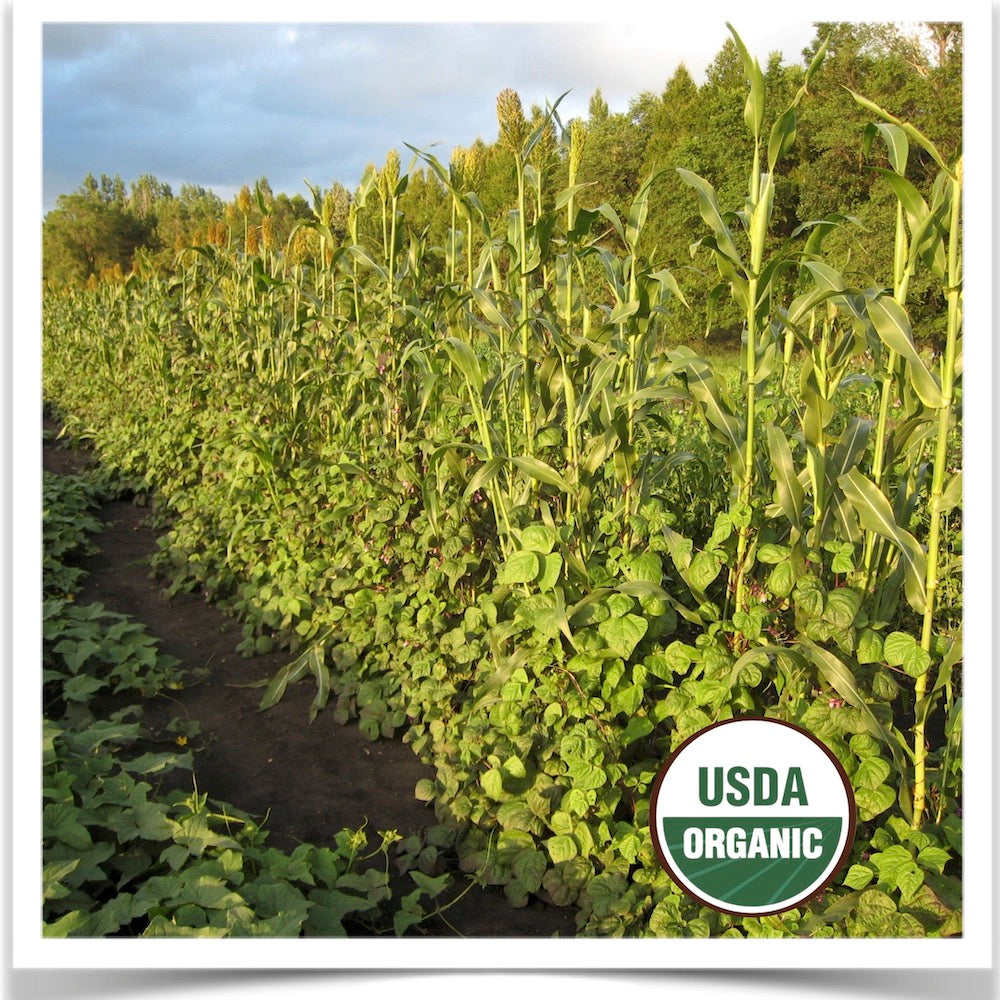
x=309 y=780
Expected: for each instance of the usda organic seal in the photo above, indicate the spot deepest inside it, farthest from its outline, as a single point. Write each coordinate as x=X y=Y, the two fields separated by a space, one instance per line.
x=752 y=816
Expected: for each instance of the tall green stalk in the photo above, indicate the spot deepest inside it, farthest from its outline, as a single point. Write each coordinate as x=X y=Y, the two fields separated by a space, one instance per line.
x=948 y=369
x=513 y=133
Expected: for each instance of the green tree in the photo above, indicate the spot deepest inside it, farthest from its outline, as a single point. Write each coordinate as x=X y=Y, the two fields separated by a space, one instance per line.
x=92 y=230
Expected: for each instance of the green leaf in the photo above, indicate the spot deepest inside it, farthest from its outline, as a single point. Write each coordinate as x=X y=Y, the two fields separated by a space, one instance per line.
x=753 y=112
x=623 y=634
x=82 y=687
x=492 y=782
x=842 y=606
x=934 y=859
x=425 y=790
x=782 y=137
x=646 y=567
x=627 y=700
x=871 y=772
x=910 y=131
x=839 y=676
x=52 y=876
x=60 y=820
x=872 y=802
x=772 y=554
x=586 y=775
x=876 y=515
x=551 y=569
x=781 y=579
x=896 y=143
x=146 y=820
x=902 y=650
x=529 y=868
x=869 y=648
x=521 y=567
x=638 y=727
x=539 y=470
x=709 y=208
x=704 y=569
x=893 y=327
x=561 y=848
x=538 y=538
x=465 y=360
x=874 y=910
x=858 y=877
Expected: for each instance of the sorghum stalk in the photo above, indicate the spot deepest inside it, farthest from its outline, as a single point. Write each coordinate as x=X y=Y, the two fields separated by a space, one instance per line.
x=512 y=134
x=948 y=365
x=760 y=205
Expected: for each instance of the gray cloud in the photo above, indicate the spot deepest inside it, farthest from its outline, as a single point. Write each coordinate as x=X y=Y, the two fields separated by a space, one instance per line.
x=222 y=104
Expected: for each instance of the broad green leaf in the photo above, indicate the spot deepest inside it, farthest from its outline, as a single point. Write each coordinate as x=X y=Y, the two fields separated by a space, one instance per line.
x=874 y=911
x=782 y=137
x=61 y=821
x=538 y=538
x=895 y=140
x=623 y=634
x=869 y=646
x=858 y=877
x=873 y=802
x=893 y=327
x=529 y=868
x=709 y=208
x=902 y=650
x=645 y=567
x=464 y=358
x=934 y=859
x=753 y=112
x=561 y=848
x=704 y=569
x=521 y=567
x=787 y=488
x=551 y=569
x=771 y=554
x=842 y=606
x=638 y=727
x=627 y=700
x=585 y=775
x=910 y=131
x=539 y=470
x=876 y=515
x=53 y=874
x=871 y=772
x=781 y=579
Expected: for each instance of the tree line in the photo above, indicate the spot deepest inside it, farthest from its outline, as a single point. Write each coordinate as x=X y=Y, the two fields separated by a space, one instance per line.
x=105 y=229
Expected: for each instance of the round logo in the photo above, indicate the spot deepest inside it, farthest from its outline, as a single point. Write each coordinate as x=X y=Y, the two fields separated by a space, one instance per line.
x=752 y=816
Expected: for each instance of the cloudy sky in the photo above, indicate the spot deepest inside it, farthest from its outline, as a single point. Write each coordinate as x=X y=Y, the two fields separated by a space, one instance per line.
x=222 y=104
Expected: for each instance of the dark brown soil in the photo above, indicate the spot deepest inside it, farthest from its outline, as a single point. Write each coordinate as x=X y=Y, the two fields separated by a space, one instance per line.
x=308 y=780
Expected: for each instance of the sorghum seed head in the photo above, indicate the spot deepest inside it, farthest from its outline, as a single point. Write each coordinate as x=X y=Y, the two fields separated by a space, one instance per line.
x=472 y=169
x=390 y=172
x=577 y=143
x=457 y=166
x=510 y=115
x=267 y=236
x=243 y=200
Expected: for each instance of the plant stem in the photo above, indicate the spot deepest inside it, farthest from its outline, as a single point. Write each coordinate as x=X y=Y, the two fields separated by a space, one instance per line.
x=953 y=294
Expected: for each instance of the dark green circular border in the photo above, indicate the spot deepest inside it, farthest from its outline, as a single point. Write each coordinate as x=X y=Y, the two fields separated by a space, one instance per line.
x=851 y=822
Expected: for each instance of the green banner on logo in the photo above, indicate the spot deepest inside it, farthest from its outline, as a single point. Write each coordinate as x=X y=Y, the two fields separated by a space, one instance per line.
x=752 y=862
